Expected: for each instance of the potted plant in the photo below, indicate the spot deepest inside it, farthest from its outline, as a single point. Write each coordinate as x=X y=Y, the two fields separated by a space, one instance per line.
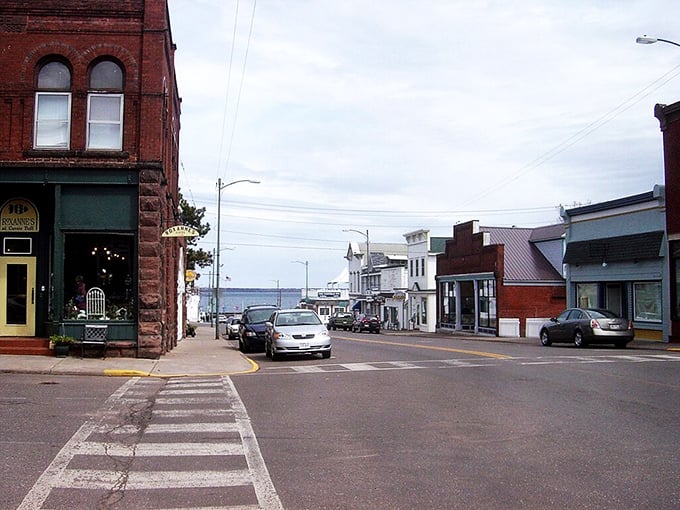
x=61 y=344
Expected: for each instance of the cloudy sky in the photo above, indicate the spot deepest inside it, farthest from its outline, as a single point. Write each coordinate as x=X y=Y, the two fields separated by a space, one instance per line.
x=397 y=115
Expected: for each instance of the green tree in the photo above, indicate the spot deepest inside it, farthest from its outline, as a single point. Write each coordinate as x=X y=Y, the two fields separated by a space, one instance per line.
x=193 y=217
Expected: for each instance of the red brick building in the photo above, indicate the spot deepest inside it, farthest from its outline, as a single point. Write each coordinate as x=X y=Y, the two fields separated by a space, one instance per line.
x=89 y=133
x=669 y=118
x=489 y=277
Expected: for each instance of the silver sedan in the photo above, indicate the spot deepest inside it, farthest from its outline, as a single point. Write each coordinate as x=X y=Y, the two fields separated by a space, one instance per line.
x=296 y=331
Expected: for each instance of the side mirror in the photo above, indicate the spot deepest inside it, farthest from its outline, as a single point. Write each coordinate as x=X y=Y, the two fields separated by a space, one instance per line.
x=553 y=319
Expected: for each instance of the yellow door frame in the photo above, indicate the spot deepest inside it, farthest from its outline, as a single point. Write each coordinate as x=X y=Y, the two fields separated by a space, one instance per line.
x=28 y=327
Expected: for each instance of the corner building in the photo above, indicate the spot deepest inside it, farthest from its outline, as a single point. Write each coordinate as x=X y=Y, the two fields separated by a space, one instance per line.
x=89 y=133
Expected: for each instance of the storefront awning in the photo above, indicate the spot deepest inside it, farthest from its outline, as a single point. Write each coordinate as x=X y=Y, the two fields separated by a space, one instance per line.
x=615 y=249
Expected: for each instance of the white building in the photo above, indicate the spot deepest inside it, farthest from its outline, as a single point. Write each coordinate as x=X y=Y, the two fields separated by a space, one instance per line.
x=421 y=301
x=377 y=273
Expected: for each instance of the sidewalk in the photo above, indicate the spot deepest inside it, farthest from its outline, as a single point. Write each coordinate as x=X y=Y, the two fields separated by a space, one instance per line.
x=200 y=355
x=203 y=355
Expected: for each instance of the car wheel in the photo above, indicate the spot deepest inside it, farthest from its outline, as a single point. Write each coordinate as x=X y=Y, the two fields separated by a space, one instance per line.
x=545 y=338
x=267 y=350
x=326 y=355
x=578 y=339
x=275 y=357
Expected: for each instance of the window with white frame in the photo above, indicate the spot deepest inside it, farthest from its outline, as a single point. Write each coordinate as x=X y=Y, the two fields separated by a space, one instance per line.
x=52 y=125
x=105 y=107
x=647 y=301
x=587 y=295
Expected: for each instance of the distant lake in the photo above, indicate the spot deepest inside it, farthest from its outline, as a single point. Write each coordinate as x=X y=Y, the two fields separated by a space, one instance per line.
x=233 y=301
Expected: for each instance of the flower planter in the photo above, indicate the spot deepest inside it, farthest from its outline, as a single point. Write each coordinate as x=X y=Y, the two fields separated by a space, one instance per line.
x=61 y=350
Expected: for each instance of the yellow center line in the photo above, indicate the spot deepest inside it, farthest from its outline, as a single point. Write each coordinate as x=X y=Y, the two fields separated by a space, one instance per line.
x=431 y=347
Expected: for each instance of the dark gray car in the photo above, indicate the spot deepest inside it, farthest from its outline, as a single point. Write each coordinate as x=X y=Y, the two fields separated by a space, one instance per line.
x=584 y=326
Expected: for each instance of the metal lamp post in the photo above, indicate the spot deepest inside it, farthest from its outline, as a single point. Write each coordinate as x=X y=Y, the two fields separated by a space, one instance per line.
x=369 y=262
x=278 y=292
x=220 y=187
x=651 y=40
x=306 y=264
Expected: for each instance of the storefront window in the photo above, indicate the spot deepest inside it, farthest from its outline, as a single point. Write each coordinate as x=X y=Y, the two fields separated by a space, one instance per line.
x=647 y=301
x=586 y=295
x=487 y=303
x=105 y=261
x=448 y=302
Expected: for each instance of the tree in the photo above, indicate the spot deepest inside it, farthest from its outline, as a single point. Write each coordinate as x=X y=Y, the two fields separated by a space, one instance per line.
x=193 y=217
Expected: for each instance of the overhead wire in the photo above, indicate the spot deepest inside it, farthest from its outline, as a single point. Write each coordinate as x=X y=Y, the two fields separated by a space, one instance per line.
x=240 y=88
x=226 y=92
x=581 y=133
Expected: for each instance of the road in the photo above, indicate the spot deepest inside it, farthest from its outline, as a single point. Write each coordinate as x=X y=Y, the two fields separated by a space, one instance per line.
x=405 y=422
x=388 y=422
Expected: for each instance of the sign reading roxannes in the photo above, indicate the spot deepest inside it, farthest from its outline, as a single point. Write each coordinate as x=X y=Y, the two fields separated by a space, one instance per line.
x=19 y=215
x=180 y=231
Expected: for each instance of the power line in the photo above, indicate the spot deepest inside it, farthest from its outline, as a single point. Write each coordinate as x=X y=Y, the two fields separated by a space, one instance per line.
x=582 y=133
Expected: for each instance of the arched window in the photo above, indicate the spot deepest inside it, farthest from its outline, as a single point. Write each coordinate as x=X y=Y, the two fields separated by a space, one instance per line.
x=105 y=106
x=52 y=126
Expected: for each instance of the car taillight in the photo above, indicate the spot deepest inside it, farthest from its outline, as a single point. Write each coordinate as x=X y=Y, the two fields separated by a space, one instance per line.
x=630 y=324
x=594 y=324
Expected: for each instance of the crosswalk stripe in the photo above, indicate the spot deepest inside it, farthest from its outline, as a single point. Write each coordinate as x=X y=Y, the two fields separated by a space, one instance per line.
x=193 y=400
x=158 y=449
x=136 y=480
x=181 y=413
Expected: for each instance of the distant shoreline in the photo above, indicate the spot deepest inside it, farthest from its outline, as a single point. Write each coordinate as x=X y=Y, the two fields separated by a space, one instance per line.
x=254 y=289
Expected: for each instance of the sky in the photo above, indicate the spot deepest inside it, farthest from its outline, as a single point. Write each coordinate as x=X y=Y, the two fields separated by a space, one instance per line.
x=391 y=116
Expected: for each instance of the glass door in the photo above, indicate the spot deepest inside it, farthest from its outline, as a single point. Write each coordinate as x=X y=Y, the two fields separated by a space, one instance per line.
x=17 y=296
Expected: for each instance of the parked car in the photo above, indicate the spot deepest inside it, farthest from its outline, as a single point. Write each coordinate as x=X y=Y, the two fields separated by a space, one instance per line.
x=233 y=328
x=584 y=326
x=341 y=320
x=366 y=322
x=252 y=327
x=296 y=331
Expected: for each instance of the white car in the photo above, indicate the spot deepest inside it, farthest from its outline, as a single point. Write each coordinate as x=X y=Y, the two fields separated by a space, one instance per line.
x=232 y=328
x=296 y=331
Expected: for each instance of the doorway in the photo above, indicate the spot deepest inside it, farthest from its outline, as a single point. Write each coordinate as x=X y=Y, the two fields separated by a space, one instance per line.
x=17 y=296
x=614 y=298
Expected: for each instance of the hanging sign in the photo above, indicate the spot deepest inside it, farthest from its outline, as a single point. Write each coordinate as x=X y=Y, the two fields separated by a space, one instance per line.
x=180 y=231
x=189 y=275
x=18 y=215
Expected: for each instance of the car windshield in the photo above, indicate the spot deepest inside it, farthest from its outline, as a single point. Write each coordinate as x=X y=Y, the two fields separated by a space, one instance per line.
x=257 y=316
x=297 y=319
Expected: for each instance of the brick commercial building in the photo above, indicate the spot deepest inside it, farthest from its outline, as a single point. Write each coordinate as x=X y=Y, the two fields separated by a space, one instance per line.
x=669 y=120
x=493 y=280
x=89 y=133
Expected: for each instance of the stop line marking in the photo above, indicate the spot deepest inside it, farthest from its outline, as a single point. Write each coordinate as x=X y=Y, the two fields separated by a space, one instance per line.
x=465 y=363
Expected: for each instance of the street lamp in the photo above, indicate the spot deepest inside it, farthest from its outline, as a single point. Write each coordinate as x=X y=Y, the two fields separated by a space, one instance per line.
x=306 y=264
x=220 y=187
x=369 y=262
x=651 y=40
x=278 y=292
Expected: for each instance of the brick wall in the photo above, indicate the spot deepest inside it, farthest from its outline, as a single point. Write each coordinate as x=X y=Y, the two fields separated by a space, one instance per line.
x=136 y=33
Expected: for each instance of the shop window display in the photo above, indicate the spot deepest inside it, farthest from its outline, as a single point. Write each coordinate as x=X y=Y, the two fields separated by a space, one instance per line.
x=105 y=261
